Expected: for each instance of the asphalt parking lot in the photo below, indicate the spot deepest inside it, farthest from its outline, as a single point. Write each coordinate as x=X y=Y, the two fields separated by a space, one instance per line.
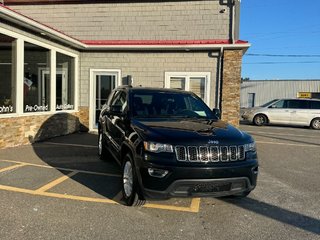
x=59 y=189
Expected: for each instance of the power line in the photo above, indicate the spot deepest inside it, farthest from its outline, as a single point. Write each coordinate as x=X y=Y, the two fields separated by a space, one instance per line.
x=270 y=63
x=282 y=55
x=304 y=28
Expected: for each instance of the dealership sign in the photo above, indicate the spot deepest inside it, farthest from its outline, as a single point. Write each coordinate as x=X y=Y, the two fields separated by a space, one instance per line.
x=36 y=108
x=64 y=107
x=6 y=109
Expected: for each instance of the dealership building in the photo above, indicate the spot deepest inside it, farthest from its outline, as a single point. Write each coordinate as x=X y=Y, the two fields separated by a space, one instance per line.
x=59 y=60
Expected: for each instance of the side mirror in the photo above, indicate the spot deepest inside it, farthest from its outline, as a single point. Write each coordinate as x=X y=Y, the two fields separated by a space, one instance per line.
x=216 y=112
x=115 y=110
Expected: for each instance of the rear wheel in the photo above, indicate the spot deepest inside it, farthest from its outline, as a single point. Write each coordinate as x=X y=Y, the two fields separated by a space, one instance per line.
x=260 y=120
x=315 y=123
x=130 y=186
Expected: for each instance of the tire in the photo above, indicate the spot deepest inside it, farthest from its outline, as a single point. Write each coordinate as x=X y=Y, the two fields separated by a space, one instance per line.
x=260 y=120
x=102 y=151
x=130 y=187
x=315 y=123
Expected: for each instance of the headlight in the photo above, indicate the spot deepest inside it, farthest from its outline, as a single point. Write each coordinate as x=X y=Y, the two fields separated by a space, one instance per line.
x=250 y=147
x=157 y=147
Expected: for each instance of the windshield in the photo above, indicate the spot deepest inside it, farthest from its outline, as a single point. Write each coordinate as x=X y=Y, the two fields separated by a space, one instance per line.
x=155 y=104
x=269 y=103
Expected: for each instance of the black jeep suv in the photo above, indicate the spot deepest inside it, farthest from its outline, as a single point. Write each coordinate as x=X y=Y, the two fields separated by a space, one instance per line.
x=170 y=144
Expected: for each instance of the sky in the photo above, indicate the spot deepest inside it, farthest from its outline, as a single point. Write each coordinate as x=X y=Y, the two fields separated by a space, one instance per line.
x=281 y=27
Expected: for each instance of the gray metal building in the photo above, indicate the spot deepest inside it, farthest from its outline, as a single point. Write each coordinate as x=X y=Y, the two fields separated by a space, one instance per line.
x=257 y=92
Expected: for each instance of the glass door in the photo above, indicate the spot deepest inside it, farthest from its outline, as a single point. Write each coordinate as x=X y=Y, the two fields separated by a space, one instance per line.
x=104 y=83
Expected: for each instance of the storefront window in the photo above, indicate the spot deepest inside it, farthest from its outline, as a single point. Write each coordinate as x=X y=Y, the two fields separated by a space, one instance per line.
x=36 y=78
x=65 y=82
x=7 y=75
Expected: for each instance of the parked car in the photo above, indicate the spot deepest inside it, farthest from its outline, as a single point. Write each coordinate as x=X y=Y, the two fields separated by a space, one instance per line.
x=300 y=112
x=170 y=144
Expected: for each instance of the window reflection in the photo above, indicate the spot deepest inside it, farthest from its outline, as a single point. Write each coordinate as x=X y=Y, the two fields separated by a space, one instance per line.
x=7 y=75
x=36 y=78
x=65 y=82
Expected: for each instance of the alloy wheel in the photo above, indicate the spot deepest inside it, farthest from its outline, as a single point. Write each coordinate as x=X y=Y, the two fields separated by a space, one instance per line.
x=100 y=144
x=127 y=179
x=316 y=124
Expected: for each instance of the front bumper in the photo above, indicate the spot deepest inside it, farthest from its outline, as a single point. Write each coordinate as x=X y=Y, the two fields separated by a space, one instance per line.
x=214 y=181
x=247 y=116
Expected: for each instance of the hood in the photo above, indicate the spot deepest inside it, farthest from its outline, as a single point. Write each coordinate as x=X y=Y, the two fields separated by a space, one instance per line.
x=253 y=109
x=189 y=131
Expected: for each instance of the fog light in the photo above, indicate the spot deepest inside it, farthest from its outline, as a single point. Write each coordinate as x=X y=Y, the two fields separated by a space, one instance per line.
x=255 y=170
x=238 y=186
x=159 y=173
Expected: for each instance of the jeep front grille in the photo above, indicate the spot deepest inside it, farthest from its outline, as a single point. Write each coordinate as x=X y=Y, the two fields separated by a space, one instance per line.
x=209 y=154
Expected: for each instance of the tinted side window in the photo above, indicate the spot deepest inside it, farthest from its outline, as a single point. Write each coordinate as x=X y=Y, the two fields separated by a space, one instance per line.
x=315 y=104
x=280 y=104
x=120 y=99
x=298 y=104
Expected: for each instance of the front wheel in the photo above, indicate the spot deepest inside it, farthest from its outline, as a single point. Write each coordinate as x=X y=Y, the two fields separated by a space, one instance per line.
x=315 y=124
x=260 y=120
x=129 y=183
x=102 y=151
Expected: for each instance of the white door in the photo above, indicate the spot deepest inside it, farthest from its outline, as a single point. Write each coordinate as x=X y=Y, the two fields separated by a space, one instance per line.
x=279 y=113
x=300 y=112
x=102 y=83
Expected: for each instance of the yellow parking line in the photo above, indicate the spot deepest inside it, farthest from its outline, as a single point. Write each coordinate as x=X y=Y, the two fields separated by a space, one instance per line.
x=55 y=182
x=194 y=207
x=12 y=167
x=64 y=169
x=56 y=195
x=100 y=200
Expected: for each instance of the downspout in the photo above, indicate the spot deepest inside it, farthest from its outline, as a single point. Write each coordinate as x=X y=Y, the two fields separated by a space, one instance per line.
x=220 y=79
x=232 y=21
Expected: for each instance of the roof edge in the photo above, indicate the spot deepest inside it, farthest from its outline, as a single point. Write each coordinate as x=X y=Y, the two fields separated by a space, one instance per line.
x=187 y=45
x=159 y=42
x=29 y=23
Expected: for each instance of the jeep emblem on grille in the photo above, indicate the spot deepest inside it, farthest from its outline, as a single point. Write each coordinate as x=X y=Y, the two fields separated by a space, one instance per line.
x=213 y=142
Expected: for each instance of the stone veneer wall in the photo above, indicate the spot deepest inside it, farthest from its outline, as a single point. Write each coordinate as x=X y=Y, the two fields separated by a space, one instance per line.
x=230 y=104
x=24 y=130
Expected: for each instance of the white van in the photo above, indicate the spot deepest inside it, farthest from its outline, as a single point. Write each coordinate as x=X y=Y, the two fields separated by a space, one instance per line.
x=300 y=112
